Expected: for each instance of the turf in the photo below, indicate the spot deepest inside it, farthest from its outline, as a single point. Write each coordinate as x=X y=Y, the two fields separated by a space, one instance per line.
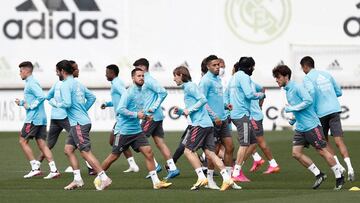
x=293 y=183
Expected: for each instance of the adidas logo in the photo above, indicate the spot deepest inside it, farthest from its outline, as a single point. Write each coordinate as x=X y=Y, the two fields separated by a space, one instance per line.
x=59 y=5
x=335 y=65
x=89 y=67
x=59 y=19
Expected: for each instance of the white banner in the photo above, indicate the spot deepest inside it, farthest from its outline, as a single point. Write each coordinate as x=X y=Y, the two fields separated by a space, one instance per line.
x=12 y=116
x=96 y=33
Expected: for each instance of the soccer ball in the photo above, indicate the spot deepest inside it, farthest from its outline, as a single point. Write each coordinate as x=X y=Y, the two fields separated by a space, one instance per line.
x=97 y=182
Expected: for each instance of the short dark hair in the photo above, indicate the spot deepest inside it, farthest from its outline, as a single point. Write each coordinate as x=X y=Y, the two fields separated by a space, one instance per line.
x=65 y=65
x=204 y=68
x=210 y=58
x=134 y=71
x=182 y=70
x=283 y=70
x=72 y=62
x=308 y=61
x=142 y=62
x=246 y=62
x=27 y=64
x=114 y=68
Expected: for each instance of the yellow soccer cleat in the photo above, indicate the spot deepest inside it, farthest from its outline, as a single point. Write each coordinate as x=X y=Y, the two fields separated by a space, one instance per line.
x=162 y=185
x=226 y=184
x=199 y=183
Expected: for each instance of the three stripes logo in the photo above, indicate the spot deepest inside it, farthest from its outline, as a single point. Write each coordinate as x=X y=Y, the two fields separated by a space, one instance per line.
x=59 y=19
x=59 y=5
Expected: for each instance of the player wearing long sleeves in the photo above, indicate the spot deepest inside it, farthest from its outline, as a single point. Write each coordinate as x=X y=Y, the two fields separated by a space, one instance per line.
x=117 y=90
x=153 y=94
x=325 y=92
x=35 y=122
x=201 y=132
x=308 y=130
x=77 y=100
x=128 y=131
x=240 y=94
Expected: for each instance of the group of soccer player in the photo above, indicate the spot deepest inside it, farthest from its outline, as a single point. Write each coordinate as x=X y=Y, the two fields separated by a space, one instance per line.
x=210 y=108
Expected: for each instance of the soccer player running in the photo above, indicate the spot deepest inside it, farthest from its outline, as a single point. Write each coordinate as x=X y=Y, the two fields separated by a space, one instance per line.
x=153 y=95
x=308 y=129
x=35 y=122
x=324 y=90
x=256 y=118
x=211 y=86
x=77 y=100
x=128 y=130
x=238 y=98
x=117 y=89
x=201 y=132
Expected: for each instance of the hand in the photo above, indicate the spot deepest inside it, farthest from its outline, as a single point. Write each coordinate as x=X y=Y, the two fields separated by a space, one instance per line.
x=218 y=122
x=149 y=117
x=17 y=101
x=186 y=112
x=103 y=106
x=141 y=115
x=26 y=106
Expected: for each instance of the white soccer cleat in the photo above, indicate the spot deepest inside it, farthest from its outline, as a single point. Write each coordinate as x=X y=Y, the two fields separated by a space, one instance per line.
x=212 y=185
x=69 y=169
x=134 y=169
x=52 y=175
x=74 y=184
x=102 y=184
x=236 y=187
x=33 y=173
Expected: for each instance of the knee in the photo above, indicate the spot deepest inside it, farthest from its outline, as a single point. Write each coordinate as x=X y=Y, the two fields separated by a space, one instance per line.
x=296 y=155
x=68 y=151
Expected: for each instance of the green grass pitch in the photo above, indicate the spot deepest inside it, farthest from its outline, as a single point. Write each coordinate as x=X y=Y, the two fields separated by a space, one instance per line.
x=292 y=184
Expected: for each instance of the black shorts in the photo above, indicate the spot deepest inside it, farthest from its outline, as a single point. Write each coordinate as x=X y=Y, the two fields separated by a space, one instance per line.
x=56 y=126
x=257 y=127
x=30 y=131
x=245 y=135
x=79 y=137
x=332 y=122
x=314 y=137
x=123 y=142
x=200 y=138
x=153 y=128
x=221 y=132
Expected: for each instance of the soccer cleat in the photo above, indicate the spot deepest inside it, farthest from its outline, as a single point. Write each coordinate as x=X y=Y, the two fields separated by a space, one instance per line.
x=172 y=174
x=69 y=169
x=339 y=183
x=256 y=165
x=134 y=169
x=351 y=175
x=74 y=184
x=52 y=175
x=319 y=179
x=272 y=170
x=158 y=169
x=161 y=185
x=226 y=184
x=241 y=178
x=102 y=184
x=212 y=185
x=199 y=183
x=91 y=172
x=33 y=173
x=236 y=187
